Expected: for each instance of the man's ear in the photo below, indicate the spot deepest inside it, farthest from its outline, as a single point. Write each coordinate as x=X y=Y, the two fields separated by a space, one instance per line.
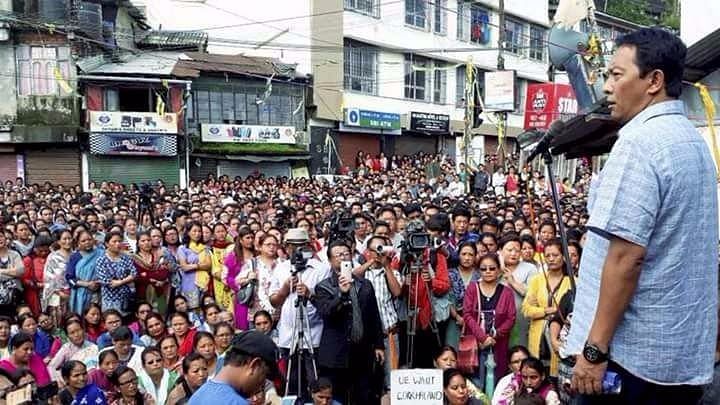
x=657 y=82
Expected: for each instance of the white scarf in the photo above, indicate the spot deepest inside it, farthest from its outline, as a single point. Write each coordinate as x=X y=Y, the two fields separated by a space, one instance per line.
x=160 y=394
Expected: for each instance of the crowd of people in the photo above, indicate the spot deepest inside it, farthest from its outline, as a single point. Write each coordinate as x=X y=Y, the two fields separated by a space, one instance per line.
x=124 y=298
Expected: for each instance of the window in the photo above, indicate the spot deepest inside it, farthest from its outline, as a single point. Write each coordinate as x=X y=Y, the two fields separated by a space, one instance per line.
x=440 y=17
x=360 y=71
x=416 y=77
x=37 y=67
x=473 y=23
x=367 y=7
x=537 y=43
x=233 y=104
x=439 y=84
x=514 y=38
x=416 y=13
x=460 y=86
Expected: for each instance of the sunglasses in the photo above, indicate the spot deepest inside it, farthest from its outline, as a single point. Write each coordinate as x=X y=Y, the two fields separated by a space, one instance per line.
x=488 y=268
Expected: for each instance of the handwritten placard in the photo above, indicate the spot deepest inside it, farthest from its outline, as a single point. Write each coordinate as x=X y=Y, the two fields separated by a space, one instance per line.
x=416 y=387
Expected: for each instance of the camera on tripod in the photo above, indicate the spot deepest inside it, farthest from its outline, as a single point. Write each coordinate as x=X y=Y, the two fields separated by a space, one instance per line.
x=341 y=226
x=417 y=239
x=299 y=259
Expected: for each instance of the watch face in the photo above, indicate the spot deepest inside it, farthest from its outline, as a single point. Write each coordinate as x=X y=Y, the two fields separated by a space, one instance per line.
x=592 y=354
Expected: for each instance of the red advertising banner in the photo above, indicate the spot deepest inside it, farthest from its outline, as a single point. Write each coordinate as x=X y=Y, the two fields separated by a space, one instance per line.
x=546 y=102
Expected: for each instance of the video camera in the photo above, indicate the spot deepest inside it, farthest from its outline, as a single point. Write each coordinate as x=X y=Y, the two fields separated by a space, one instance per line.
x=145 y=193
x=341 y=226
x=299 y=259
x=417 y=239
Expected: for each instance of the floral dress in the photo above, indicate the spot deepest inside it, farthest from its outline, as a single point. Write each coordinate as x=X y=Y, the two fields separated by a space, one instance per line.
x=117 y=298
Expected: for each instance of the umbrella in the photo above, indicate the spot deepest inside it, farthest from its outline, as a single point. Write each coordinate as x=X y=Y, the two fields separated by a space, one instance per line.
x=490 y=374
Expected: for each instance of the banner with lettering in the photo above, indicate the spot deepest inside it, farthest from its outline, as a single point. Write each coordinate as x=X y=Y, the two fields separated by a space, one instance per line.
x=547 y=102
x=416 y=387
x=133 y=122
x=133 y=145
x=247 y=133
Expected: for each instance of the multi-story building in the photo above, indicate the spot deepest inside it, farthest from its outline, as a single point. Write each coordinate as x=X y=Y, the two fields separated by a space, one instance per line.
x=388 y=76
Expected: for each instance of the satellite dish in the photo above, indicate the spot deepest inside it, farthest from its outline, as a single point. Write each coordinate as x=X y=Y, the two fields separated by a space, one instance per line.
x=564 y=43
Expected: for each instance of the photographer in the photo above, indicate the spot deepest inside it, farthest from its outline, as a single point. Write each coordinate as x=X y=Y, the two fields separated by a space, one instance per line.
x=421 y=280
x=293 y=279
x=387 y=284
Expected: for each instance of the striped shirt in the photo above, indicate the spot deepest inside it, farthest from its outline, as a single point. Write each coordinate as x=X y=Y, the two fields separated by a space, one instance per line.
x=385 y=299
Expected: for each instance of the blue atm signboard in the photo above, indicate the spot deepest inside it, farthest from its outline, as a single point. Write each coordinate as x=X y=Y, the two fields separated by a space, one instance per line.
x=355 y=117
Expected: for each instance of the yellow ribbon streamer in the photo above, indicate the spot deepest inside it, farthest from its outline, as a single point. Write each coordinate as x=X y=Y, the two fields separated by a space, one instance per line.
x=709 y=106
x=61 y=80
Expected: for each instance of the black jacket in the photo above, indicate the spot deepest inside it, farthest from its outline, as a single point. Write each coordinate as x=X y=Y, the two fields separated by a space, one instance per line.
x=336 y=350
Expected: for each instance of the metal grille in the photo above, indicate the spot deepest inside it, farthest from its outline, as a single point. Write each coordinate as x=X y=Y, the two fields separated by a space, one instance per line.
x=367 y=7
x=360 y=72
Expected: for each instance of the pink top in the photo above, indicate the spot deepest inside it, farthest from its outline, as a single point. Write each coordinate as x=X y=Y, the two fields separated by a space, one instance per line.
x=37 y=367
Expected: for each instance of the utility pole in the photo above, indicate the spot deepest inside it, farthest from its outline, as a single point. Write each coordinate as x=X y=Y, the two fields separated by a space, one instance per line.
x=502 y=115
x=469 y=111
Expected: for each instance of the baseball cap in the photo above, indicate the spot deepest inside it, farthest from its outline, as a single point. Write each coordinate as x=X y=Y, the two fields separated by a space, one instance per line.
x=255 y=343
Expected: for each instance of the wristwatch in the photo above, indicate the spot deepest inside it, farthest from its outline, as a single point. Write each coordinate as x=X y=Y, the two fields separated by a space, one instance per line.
x=594 y=355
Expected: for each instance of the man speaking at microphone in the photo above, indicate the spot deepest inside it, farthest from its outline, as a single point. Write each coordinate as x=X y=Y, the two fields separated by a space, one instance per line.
x=646 y=302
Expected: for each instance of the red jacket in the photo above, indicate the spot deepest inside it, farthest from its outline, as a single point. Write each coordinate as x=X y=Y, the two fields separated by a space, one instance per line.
x=439 y=285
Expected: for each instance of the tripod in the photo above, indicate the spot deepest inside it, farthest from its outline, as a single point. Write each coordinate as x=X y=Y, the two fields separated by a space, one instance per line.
x=414 y=269
x=300 y=338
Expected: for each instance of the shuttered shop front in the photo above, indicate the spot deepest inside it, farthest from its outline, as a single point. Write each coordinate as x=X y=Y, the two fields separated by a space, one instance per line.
x=58 y=166
x=131 y=169
x=8 y=167
x=351 y=144
x=412 y=144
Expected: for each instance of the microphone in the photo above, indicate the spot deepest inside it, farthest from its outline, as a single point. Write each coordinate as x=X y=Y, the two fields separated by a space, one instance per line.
x=543 y=145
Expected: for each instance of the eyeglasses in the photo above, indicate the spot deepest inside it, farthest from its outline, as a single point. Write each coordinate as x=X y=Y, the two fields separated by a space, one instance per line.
x=153 y=361
x=130 y=382
x=488 y=268
x=341 y=255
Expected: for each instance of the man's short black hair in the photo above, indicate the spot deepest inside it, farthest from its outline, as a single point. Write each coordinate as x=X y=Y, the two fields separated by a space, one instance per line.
x=121 y=334
x=656 y=48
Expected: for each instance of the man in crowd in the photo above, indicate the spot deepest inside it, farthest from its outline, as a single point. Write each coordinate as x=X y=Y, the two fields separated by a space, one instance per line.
x=352 y=338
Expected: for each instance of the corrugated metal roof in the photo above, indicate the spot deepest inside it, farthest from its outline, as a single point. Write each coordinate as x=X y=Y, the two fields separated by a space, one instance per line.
x=703 y=57
x=175 y=40
x=193 y=63
x=149 y=63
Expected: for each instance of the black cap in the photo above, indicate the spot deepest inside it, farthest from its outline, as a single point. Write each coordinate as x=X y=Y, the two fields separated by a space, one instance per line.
x=255 y=343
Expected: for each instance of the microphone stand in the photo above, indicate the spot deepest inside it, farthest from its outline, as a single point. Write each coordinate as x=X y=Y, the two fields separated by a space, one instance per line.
x=543 y=148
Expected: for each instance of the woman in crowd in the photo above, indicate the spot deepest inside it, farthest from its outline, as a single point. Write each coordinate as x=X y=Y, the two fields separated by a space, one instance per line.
x=489 y=314
x=195 y=374
x=107 y=362
x=169 y=352
x=126 y=382
x=153 y=274
x=575 y=253
x=155 y=330
x=180 y=304
x=23 y=356
x=171 y=237
x=142 y=311
x=166 y=261
x=33 y=278
x=224 y=333
x=541 y=303
x=116 y=274
x=516 y=355
x=5 y=327
x=195 y=263
x=266 y=263
x=183 y=332
x=446 y=358
x=81 y=274
x=512 y=182
x=465 y=274
x=240 y=271
x=43 y=345
x=77 y=389
x=527 y=250
x=92 y=322
x=154 y=378
x=204 y=344
x=11 y=272
x=455 y=389
x=56 y=293
x=531 y=379
x=515 y=275
x=220 y=246
x=77 y=348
